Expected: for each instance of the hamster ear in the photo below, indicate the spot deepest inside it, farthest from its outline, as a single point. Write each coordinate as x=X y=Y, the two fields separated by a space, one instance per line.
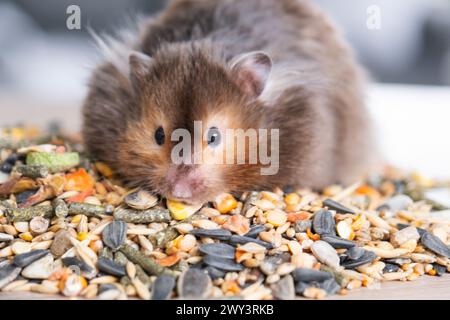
x=140 y=64
x=251 y=71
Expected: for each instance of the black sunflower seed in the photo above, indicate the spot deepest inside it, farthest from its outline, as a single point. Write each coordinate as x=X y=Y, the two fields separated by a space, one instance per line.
x=8 y=274
x=222 y=250
x=194 y=284
x=323 y=223
x=86 y=270
x=255 y=231
x=215 y=273
x=24 y=259
x=110 y=267
x=236 y=239
x=302 y=225
x=331 y=204
x=330 y=286
x=220 y=234
x=440 y=270
x=222 y=263
x=338 y=242
x=355 y=253
x=114 y=234
x=389 y=267
x=309 y=275
x=435 y=244
x=163 y=287
x=367 y=257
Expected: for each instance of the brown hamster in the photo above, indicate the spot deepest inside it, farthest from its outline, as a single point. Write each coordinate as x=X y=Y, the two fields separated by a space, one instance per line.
x=276 y=64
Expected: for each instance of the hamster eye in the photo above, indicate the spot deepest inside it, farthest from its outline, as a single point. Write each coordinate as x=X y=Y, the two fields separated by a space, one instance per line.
x=214 y=137
x=160 y=136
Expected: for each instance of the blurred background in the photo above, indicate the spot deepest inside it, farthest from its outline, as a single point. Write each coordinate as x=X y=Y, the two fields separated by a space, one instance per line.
x=404 y=44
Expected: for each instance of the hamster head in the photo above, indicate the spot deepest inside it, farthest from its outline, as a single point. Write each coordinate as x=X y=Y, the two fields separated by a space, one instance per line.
x=189 y=109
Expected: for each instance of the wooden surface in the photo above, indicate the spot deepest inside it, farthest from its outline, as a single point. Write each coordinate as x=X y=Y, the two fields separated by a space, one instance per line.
x=425 y=288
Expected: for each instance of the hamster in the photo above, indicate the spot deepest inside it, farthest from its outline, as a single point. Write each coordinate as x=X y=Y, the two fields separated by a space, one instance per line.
x=229 y=64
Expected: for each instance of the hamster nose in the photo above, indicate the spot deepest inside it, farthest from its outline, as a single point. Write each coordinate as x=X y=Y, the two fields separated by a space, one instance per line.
x=181 y=190
x=184 y=182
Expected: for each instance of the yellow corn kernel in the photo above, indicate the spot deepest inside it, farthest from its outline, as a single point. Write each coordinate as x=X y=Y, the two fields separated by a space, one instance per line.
x=26 y=236
x=82 y=236
x=180 y=210
x=225 y=203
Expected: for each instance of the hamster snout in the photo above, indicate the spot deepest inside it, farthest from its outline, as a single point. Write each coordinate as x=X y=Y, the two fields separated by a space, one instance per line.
x=185 y=182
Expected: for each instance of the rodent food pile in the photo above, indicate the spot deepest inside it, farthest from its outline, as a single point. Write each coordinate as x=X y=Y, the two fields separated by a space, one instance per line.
x=68 y=227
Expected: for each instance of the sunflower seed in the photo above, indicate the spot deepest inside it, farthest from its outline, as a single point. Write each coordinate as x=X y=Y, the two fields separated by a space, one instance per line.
x=87 y=271
x=219 y=234
x=163 y=287
x=440 y=270
x=401 y=226
x=194 y=284
x=309 y=275
x=323 y=223
x=397 y=203
x=222 y=250
x=110 y=267
x=325 y=253
x=435 y=244
x=331 y=204
x=251 y=197
x=255 y=230
x=24 y=259
x=215 y=273
x=355 y=253
x=338 y=242
x=222 y=263
x=39 y=269
x=8 y=274
x=330 y=286
x=236 y=239
x=114 y=234
x=302 y=225
x=284 y=289
x=367 y=257
x=141 y=200
x=388 y=267
x=300 y=287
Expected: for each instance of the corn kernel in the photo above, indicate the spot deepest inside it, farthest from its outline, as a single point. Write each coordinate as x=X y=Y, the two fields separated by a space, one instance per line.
x=180 y=210
x=225 y=203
